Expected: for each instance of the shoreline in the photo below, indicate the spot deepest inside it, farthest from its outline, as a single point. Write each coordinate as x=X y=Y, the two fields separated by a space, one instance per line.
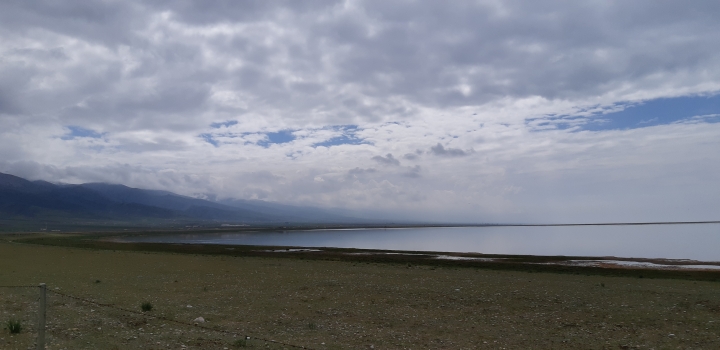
x=588 y=265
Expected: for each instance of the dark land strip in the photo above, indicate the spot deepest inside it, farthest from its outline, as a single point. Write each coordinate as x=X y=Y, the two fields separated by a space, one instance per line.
x=524 y=263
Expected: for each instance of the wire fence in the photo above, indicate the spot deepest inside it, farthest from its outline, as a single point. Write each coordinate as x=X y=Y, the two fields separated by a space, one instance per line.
x=70 y=325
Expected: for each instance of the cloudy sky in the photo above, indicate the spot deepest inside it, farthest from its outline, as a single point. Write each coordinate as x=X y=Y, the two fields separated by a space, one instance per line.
x=486 y=111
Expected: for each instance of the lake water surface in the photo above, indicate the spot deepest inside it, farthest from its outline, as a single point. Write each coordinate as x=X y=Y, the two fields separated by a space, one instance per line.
x=690 y=241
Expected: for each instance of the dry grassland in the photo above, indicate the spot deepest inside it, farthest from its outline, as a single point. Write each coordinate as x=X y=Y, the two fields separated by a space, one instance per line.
x=343 y=304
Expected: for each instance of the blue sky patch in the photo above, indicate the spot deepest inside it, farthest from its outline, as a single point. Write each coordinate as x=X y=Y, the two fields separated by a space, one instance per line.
x=282 y=136
x=348 y=137
x=76 y=131
x=209 y=139
x=660 y=111
x=657 y=112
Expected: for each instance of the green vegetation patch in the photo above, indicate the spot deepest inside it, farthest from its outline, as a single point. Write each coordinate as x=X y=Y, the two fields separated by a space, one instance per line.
x=14 y=326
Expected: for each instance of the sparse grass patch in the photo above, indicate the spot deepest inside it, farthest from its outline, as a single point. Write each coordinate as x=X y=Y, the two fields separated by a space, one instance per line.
x=14 y=326
x=146 y=306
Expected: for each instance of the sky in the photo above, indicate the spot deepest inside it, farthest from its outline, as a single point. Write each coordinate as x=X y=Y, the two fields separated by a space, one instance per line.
x=466 y=111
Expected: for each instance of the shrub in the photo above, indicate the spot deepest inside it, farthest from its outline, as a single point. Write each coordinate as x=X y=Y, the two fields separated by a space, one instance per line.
x=14 y=326
x=240 y=343
x=146 y=306
x=312 y=325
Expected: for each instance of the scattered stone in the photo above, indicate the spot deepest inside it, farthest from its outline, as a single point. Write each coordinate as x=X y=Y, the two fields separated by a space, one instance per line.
x=199 y=320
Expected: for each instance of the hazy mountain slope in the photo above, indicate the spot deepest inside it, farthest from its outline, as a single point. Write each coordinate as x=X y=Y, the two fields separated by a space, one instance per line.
x=19 y=197
x=100 y=201
x=251 y=209
x=304 y=214
x=192 y=207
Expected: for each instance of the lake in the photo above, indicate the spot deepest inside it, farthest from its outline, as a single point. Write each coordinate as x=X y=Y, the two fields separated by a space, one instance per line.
x=687 y=241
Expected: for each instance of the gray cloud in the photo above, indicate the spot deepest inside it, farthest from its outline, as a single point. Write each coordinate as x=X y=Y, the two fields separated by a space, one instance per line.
x=410 y=156
x=440 y=150
x=153 y=77
x=387 y=160
x=414 y=156
x=412 y=172
x=154 y=62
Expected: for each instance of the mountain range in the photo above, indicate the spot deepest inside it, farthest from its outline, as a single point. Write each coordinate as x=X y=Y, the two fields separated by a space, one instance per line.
x=21 y=199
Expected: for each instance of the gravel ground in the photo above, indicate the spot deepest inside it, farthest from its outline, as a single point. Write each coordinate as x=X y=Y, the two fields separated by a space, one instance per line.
x=342 y=304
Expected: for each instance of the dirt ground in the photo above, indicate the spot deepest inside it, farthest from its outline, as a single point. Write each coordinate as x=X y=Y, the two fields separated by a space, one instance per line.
x=341 y=304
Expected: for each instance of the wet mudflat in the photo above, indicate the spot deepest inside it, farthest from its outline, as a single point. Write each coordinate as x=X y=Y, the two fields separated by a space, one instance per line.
x=344 y=304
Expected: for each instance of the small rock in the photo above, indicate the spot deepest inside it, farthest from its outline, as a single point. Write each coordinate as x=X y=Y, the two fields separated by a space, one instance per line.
x=199 y=320
x=189 y=306
x=671 y=335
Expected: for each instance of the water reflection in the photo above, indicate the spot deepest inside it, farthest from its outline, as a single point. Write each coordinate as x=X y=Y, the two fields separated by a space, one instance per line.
x=698 y=242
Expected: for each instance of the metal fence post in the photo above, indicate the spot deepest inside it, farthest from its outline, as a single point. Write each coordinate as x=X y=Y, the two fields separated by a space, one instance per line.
x=41 y=318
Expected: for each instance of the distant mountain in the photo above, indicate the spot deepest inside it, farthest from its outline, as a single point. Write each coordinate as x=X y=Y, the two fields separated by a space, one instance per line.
x=20 y=198
x=303 y=214
x=23 y=198
x=187 y=206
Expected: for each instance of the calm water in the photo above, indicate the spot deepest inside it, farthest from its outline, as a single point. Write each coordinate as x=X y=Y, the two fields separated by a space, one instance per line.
x=698 y=242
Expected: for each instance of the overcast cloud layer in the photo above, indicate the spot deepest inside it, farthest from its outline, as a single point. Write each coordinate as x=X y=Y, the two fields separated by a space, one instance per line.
x=473 y=111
